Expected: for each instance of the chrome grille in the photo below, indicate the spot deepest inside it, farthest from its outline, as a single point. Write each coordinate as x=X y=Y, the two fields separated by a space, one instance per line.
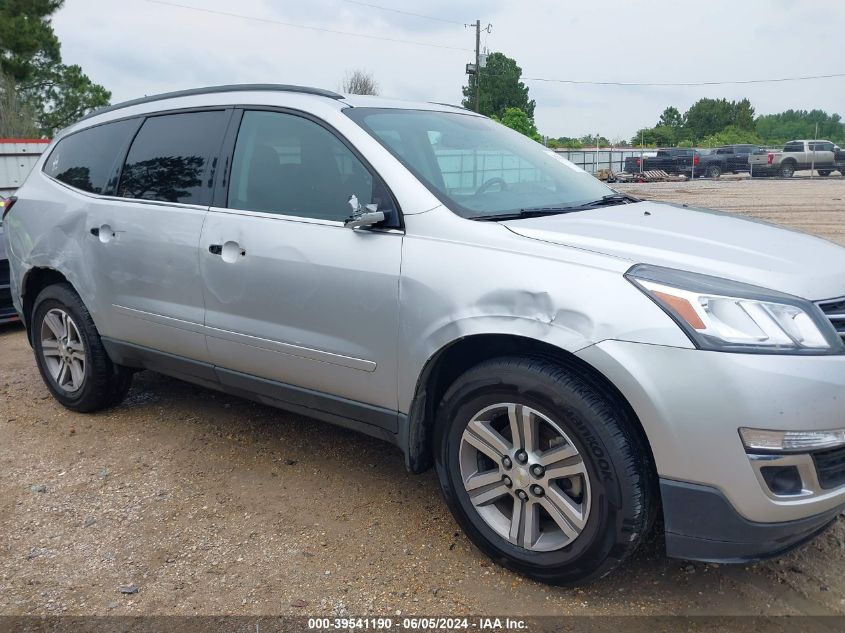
x=835 y=311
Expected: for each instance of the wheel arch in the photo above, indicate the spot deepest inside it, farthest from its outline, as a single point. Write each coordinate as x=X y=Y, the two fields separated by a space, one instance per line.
x=33 y=282
x=456 y=357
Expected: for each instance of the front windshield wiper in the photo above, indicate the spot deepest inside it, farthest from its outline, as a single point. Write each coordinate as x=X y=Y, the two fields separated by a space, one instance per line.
x=534 y=212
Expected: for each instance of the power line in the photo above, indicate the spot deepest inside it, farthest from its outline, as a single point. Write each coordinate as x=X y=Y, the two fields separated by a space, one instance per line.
x=690 y=83
x=416 y=15
x=303 y=26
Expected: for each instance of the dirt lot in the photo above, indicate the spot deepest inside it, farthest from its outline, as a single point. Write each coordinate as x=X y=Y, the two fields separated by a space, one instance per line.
x=213 y=505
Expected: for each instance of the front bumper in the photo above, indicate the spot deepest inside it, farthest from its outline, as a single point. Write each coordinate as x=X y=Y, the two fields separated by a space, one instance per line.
x=702 y=525
x=691 y=404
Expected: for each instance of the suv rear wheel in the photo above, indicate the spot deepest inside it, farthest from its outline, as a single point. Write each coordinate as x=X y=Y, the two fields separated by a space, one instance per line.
x=70 y=354
x=787 y=169
x=542 y=470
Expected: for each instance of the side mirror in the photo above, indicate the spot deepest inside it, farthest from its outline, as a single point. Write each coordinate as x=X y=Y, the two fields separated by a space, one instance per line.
x=362 y=215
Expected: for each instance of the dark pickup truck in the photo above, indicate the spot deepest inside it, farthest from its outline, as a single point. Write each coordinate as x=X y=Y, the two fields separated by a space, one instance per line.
x=729 y=159
x=674 y=160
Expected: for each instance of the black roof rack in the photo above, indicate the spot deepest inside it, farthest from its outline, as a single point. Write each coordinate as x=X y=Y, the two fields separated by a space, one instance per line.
x=215 y=89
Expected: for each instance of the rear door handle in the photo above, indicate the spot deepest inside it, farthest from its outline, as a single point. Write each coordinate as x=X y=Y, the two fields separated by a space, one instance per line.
x=229 y=251
x=105 y=232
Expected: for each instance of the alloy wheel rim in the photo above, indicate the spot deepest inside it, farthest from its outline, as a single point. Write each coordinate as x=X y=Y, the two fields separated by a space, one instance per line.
x=63 y=350
x=525 y=477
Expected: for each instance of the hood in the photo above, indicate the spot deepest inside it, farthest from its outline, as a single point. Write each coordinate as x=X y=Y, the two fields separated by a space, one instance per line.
x=703 y=241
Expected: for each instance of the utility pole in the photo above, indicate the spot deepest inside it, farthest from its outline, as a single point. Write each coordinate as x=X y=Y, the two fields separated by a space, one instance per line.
x=480 y=62
x=477 y=64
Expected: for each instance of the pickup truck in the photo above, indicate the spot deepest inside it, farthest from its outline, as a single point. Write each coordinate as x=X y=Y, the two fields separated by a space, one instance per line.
x=798 y=155
x=674 y=160
x=729 y=159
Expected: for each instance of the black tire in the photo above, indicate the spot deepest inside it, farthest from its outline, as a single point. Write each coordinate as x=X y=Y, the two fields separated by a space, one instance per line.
x=714 y=171
x=104 y=384
x=824 y=172
x=622 y=495
x=787 y=169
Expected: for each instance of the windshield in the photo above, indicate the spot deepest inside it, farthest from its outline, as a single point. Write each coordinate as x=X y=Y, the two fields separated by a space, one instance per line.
x=475 y=166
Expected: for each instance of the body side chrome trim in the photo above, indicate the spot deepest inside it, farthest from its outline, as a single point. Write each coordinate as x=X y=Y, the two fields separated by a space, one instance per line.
x=292 y=350
x=281 y=347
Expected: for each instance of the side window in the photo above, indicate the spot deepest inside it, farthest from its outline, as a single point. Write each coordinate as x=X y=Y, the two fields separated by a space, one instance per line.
x=821 y=146
x=173 y=157
x=794 y=147
x=290 y=165
x=88 y=160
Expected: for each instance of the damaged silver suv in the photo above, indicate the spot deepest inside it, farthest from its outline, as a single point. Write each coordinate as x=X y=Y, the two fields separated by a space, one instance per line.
x=572 y=361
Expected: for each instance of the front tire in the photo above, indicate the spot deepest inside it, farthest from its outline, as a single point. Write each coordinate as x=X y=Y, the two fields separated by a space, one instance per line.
x=542 y=469
x=70 y=355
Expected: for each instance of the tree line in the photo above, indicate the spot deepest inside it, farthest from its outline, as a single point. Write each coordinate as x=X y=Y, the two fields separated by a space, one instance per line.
x=707 y=123
x=713 y=122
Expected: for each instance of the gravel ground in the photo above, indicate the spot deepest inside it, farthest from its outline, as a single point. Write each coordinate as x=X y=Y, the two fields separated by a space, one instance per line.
x=185 y=501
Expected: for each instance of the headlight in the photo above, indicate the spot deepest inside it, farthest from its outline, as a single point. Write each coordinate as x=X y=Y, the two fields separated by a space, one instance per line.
x=723 y=315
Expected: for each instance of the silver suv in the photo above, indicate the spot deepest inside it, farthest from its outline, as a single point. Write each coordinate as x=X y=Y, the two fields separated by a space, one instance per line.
x=572 y=361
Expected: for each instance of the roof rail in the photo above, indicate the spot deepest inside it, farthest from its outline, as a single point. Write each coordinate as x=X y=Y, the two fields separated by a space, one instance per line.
x=215 y=89
x=451 y=105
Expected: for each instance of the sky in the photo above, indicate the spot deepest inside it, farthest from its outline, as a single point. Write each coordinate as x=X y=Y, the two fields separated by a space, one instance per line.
x=141 y=47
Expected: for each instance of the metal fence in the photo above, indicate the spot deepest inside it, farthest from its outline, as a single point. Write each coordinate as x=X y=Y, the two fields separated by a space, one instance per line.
x=593 y=160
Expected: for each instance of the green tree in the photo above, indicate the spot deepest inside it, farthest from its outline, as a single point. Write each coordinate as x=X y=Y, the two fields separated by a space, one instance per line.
x=731 y=135
x=743 y=115
x=518 y=120
x=30 y=57
x=671 y=118
x=657 y=136
x=569 y=143
x=798 y=124
x=500 y=88
x=709 y=116
x=62 y=94
x=17 y=117
x=26 y=37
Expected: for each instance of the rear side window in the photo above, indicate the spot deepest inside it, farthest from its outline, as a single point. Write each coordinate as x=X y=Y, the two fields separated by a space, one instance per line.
x=794 y=147
x=173 y=157
x=89 y=160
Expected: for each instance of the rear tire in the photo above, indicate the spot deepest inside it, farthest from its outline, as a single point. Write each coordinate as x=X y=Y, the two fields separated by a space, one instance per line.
x=787 y=170
x=824 y=172
x=714 y=171
x=70 y=354
x=596 y=495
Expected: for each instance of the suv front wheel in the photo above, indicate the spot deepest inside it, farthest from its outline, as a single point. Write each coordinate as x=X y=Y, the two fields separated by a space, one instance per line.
x=542 y=469
x=70 y=355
